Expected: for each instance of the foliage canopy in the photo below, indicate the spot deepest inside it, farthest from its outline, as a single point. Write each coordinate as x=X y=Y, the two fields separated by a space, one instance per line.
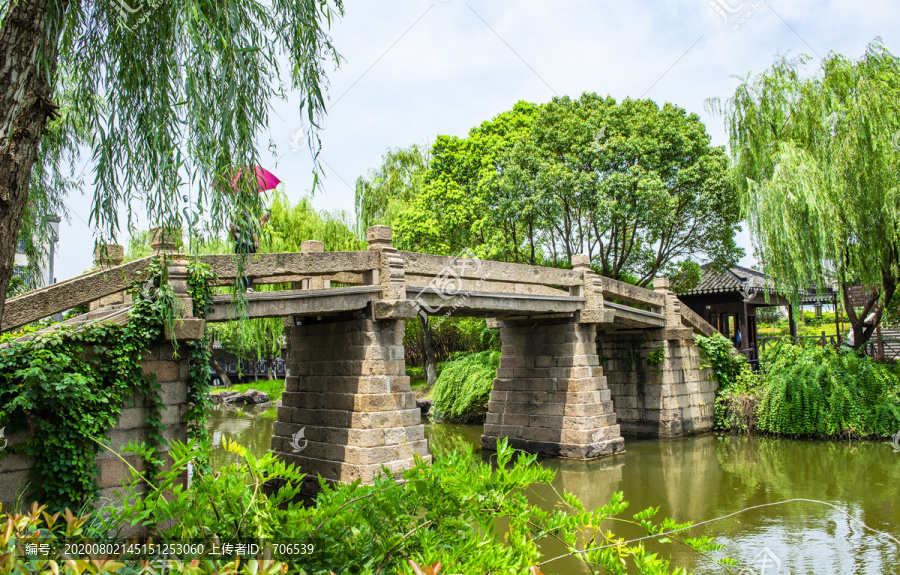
x=635 y=186
x=819 y=177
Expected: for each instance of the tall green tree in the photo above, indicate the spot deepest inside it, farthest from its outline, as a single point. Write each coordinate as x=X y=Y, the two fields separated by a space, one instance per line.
x=173 y=93
x=290 y=225
x=819 y=177
x=464 y=204
x=635 y=186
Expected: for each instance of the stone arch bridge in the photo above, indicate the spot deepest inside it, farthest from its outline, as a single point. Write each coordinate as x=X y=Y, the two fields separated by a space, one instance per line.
x=584 y=358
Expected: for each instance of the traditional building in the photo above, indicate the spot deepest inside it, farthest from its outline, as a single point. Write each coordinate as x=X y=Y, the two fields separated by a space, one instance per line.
x=729 y=301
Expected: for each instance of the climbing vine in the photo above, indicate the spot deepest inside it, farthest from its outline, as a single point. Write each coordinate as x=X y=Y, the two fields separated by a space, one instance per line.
x=721 y=357
x=823 y=392
x=656 y=357
x=67 y=388
x=199 y=281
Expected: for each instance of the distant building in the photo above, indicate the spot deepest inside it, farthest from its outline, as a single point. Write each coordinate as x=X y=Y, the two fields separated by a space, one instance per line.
x=47 y=270
x=729 y=302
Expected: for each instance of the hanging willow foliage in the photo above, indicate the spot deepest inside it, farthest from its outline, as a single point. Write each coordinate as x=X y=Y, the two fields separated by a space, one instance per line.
x=169 y=97
x=820 y=177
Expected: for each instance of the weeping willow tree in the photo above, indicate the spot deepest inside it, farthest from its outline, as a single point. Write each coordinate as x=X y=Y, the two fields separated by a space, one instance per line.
x=820 y=177
x=166 y=96
x=290 y=224
x=387 y=191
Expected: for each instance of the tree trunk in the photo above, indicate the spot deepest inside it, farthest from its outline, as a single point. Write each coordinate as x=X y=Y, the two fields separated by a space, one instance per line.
x=30 y=27
x=223 y=375
x=430 y=360
x=862 y=333
x=270 y=373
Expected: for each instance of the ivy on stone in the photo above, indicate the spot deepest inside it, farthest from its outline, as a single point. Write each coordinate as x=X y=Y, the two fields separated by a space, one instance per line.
x=68 y=387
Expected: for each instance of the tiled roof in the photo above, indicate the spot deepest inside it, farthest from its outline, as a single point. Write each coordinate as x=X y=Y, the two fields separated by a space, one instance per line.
x=738 y=278
x=733 y=280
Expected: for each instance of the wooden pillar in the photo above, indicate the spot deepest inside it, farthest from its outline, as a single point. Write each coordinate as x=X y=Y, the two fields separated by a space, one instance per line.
x=792 y=322
x=745 y=329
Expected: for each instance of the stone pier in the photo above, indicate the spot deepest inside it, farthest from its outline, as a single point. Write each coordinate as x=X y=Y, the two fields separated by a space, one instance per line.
x=348 y=409
x=656 y=378
x=550 y=396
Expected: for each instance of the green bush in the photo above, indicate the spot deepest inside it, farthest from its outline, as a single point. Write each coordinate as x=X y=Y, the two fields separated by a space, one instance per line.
x=450 y=335
x=470 y=516
x=738 y=404
x=727 y=364
x=462 y=391
x=820 y=391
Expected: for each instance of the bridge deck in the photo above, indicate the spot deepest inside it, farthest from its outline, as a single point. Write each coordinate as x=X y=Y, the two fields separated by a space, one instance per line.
x=324 y=302
x=396 y=285
x=297 y=302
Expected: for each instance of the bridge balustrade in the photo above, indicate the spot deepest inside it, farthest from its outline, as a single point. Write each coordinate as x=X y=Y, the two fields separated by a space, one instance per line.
x=584 y=358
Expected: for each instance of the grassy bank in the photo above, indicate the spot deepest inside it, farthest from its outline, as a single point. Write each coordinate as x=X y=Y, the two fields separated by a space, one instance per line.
x=273 y=388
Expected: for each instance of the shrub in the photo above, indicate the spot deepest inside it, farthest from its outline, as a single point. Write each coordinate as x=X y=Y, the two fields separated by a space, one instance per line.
x=450 y=335
x=462 y=391
x=820 y=391
x=738 y=404
x=727 y=364
x=469 y=516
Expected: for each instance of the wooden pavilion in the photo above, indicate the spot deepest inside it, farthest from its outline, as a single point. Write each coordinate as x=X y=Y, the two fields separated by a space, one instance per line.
x=729 y=302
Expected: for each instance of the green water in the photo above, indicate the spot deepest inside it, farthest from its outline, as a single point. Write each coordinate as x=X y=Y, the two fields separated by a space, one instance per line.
x=710 y=476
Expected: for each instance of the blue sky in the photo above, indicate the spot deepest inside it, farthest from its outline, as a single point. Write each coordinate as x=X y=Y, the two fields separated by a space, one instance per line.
x=415 y=69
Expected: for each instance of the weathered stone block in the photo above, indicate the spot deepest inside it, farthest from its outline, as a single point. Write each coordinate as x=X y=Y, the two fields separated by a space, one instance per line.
x=164 y=371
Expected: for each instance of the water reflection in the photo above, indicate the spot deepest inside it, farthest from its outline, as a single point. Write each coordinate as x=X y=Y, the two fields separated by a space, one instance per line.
x=704 y=477
x=248 y=425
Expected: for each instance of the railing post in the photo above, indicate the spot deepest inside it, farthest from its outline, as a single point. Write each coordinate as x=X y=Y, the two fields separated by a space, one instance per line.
x=316 y=282
x=164 y=240
x=178 y=279
x=391 y=274
x=672 y=309
x=186 y=327
x=106 y=256
x=591 y=290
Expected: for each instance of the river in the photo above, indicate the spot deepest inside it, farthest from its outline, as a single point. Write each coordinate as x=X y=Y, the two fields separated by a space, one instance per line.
x=705 y=477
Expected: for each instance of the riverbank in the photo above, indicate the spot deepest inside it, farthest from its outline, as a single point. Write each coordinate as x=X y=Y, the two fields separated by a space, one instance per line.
x=805 y=391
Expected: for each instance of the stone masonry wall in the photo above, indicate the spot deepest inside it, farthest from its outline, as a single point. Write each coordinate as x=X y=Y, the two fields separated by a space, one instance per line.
x=666 y=399
x=348 y=408
x=172 y=373
x=550 y=396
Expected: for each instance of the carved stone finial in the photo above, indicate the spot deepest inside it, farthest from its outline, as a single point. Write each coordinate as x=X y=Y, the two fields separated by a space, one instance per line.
x=109 y=255
x=379 y=237
x=581 y=262
x=164 y=239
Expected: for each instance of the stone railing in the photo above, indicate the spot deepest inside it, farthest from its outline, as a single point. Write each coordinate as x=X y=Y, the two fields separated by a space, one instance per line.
x=579 y=290
x=692 y=319
x=105 y=286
